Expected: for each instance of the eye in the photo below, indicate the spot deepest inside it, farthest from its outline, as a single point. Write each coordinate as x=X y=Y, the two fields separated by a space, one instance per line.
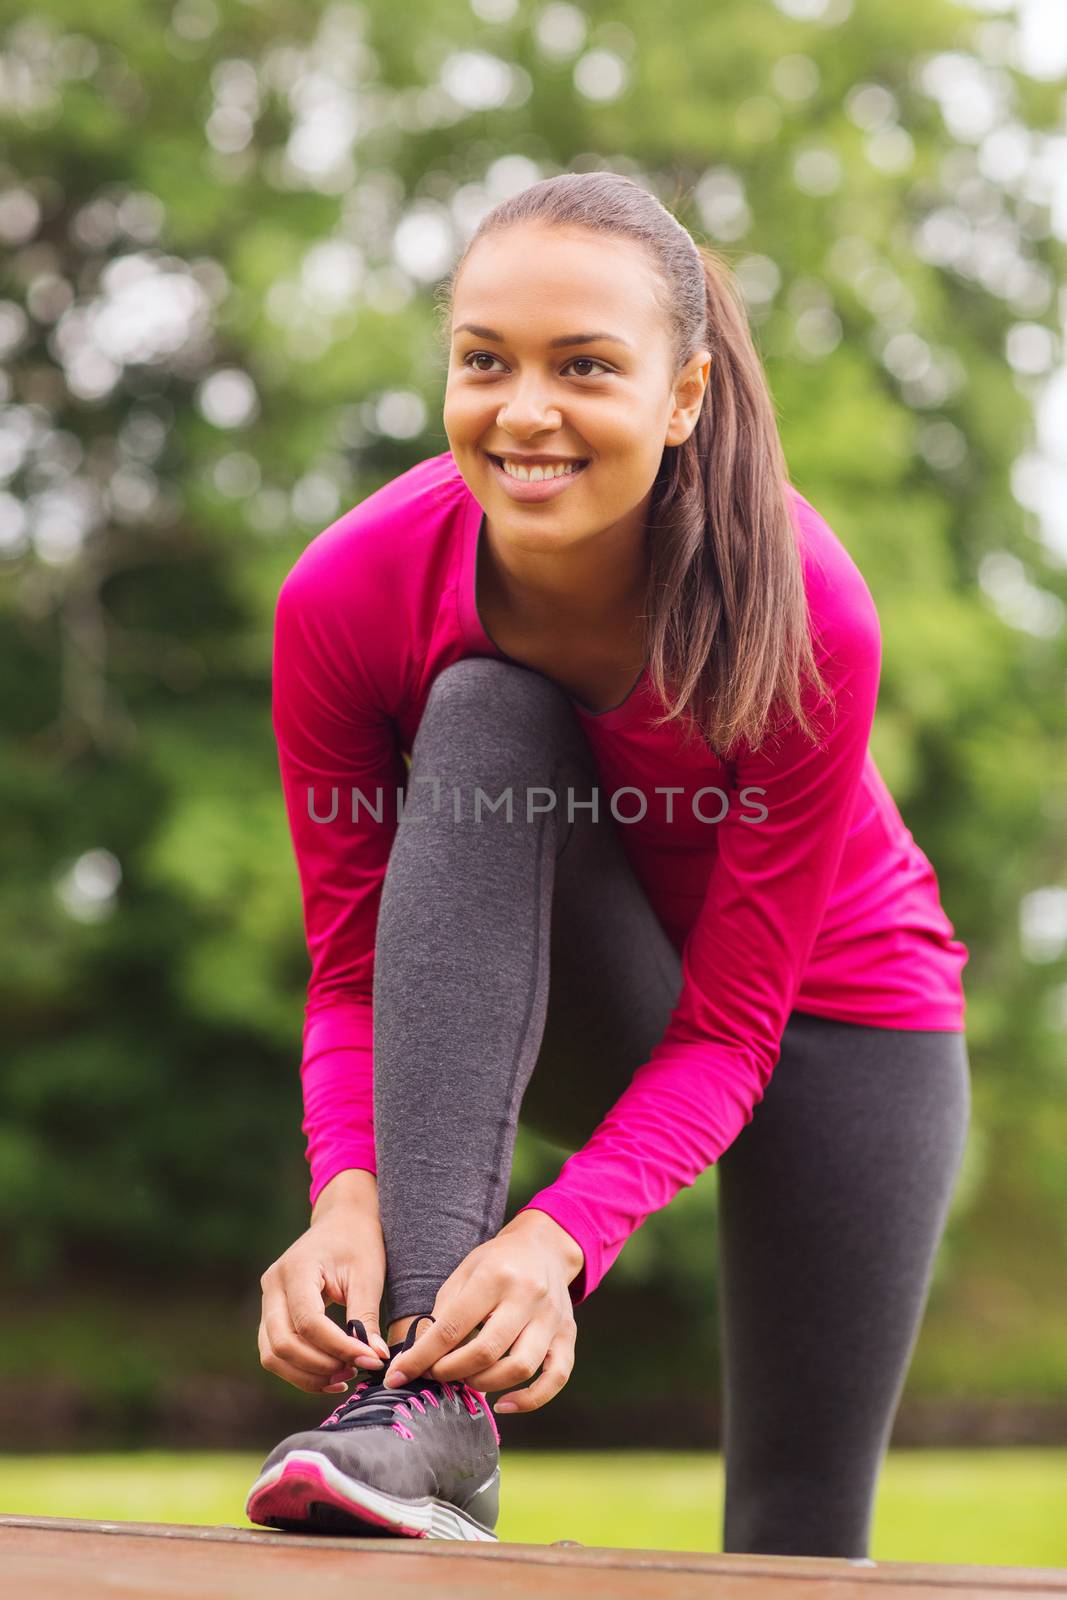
x=476 y=355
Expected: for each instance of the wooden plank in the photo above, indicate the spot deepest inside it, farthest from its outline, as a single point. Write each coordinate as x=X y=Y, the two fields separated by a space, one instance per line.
x=54 y=1558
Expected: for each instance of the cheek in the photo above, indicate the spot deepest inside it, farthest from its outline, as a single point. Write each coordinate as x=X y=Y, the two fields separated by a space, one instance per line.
x=466 y=410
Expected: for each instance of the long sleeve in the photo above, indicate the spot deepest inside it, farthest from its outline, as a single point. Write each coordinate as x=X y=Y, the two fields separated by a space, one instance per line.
x=333 y=738
x=743 y=959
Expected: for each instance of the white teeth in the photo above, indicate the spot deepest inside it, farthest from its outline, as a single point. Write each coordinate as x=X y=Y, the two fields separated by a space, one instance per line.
x=525 y=475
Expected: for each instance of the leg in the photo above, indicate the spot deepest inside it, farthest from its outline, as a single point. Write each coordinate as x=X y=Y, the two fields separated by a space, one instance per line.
x=473 y=917
x=473 y=914
x=832 y=1202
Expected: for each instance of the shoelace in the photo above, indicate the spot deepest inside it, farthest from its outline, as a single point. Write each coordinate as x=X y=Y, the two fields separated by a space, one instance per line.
x=371 y=1404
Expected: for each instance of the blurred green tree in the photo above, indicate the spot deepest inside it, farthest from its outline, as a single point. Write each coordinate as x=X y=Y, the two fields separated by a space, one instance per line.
x=223 y=225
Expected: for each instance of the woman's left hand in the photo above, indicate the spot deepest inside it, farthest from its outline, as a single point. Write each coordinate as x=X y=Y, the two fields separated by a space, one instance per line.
x=516 y=1286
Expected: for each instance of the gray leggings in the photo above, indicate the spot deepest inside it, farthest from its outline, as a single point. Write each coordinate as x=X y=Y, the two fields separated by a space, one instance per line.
x=520 y=972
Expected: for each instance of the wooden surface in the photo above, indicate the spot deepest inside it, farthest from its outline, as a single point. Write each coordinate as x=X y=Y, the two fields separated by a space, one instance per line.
x=55 y=1558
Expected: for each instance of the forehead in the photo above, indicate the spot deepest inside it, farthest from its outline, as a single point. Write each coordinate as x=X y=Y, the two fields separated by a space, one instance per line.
x=525 y=275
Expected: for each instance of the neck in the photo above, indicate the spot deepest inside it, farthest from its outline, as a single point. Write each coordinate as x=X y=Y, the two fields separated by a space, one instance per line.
x=599 y=585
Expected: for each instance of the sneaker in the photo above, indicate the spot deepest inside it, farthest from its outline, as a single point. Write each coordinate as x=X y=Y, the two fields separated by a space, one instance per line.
x=421 y=1460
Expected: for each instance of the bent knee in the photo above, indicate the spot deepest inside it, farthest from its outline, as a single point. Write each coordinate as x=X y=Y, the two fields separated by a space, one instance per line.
x=478 y=678
x=482 y=689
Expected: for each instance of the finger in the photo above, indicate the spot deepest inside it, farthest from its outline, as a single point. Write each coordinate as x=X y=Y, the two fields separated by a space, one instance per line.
x=516 y=1364
x=289 y=1346
x=557 y=1368
x=272 y=1362
x=455 y=1312
x=374 y=1333
x=486 y=1350
x=301 y=1380
x=314 y=1328
x=346 y=1284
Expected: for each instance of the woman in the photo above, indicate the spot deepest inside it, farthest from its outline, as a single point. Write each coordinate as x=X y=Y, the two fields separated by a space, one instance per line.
x=642 y=888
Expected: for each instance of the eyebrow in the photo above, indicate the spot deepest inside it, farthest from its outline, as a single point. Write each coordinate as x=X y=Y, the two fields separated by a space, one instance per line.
x=553 y=344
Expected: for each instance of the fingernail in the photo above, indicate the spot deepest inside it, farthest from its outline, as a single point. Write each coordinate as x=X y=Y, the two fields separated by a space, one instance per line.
x=505 y=1405
x=336 y=1388
x=397 y=1375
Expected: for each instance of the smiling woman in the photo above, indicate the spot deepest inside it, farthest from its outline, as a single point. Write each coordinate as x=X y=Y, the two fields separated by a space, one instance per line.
x=606 y=584
x=665 y=402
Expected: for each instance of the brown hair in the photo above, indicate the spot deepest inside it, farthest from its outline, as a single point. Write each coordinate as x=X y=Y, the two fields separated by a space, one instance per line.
x=726 y=610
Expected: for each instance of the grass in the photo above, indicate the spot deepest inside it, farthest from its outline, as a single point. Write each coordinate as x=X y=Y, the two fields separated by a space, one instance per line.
x=996 y=1507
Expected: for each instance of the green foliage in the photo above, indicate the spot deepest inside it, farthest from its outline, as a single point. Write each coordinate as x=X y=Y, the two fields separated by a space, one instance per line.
x=149 y=1113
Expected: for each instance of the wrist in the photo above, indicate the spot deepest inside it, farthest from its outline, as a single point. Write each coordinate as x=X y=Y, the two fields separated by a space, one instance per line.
x=553 y=1234
x=352 y=1187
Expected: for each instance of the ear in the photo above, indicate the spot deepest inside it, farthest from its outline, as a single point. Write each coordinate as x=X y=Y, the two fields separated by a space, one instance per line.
x=689 y=393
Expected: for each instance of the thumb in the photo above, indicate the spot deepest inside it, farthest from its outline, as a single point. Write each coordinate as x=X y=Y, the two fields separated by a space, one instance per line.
x=363 y=1325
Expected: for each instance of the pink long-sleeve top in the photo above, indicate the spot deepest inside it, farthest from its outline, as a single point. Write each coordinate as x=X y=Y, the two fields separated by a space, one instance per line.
x=789 y=883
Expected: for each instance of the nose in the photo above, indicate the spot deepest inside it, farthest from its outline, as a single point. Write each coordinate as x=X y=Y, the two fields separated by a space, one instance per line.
x=528 y=411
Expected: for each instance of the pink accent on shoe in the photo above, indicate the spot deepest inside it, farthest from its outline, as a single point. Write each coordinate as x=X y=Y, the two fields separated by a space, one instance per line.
x=415 y=1401
x=405 y=1433
x=449 y=1390
x=290 y=1496
x=483 y=1405
x=466 y=1394
x=431 y=1397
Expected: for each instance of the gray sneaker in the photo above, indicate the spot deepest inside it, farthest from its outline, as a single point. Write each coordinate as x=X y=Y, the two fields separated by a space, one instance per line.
x=421 y=1460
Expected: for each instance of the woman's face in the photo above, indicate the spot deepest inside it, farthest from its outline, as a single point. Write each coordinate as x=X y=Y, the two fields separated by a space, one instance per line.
x=609 y=400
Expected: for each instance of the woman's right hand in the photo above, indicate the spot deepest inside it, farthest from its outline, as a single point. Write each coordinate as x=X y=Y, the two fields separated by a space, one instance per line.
x=339 y=1260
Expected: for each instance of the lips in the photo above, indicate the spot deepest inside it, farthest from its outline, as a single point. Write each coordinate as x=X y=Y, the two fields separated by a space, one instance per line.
x=529 y=491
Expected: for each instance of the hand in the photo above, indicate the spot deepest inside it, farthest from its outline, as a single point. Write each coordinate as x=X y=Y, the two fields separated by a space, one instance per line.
x=516 y=1286
x=340 y=1259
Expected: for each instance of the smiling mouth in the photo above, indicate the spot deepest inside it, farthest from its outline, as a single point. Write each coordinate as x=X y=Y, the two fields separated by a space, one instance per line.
x=578 y=465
